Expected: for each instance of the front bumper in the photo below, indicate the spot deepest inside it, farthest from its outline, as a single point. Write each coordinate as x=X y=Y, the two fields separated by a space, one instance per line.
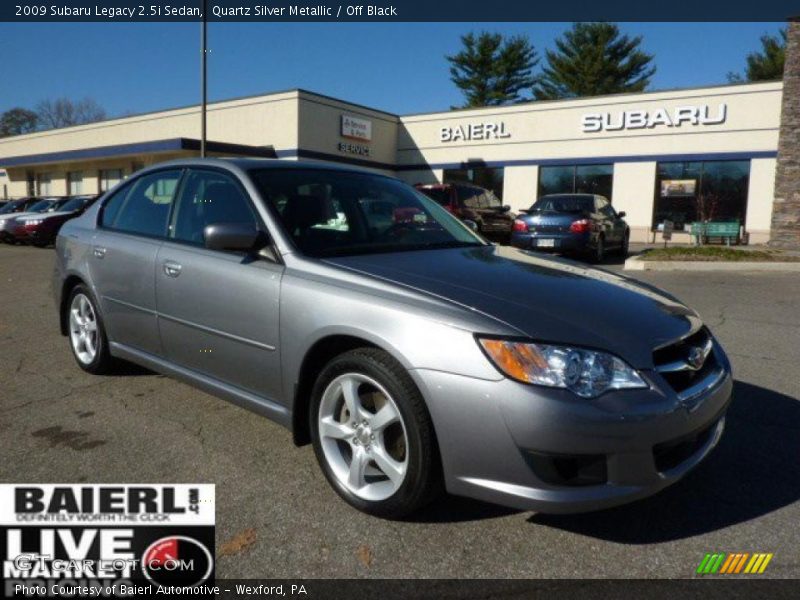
x=493 y=434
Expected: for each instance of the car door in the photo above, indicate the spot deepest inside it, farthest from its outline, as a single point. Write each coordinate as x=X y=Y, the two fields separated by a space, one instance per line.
x=218 y=311
x=132 y=226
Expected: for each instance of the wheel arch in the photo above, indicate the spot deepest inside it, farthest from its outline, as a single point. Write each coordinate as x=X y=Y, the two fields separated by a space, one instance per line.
x=322 y=351
x=69 y=284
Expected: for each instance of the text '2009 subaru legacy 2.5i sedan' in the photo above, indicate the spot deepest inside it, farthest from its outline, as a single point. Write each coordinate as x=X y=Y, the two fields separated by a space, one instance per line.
x=364 y=317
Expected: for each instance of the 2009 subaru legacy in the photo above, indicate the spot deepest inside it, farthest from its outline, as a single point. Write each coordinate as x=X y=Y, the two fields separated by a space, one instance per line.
x=364 y=317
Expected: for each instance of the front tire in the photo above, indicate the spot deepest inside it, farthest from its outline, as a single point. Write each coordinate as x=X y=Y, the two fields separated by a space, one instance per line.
x=625 y=245
x=86 y=332
x=373 y=436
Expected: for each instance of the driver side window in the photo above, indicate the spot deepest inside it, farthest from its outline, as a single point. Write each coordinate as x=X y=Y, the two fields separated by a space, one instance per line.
x=209 y=197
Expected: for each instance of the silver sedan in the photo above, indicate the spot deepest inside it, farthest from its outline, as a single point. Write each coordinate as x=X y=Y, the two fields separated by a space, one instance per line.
x=414 y=355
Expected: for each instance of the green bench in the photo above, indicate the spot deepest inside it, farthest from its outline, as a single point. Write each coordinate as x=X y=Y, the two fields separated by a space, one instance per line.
x=723 y=230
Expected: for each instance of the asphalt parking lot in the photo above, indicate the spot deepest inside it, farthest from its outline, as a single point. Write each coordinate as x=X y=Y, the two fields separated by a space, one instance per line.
x=277 y=517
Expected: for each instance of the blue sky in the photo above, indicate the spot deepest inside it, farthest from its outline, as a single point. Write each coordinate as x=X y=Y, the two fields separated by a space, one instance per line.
x=398 y=67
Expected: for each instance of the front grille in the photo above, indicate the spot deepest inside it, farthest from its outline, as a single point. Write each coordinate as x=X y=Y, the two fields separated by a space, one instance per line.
x=669 y=455
x=676 y=365
x=574 y=470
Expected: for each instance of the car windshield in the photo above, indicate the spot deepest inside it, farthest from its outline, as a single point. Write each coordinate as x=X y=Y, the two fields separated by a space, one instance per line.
x=41 y=206
x=564 y=204
x=74 y=204
x=338 y=213
x=11 y=207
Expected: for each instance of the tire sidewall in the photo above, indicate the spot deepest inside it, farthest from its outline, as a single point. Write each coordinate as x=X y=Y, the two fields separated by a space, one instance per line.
x=352 y=362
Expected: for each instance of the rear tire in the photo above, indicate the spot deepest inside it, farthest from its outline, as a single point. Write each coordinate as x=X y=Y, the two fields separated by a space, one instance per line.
x=373 y=435
x=599 y=251
x=86 y=332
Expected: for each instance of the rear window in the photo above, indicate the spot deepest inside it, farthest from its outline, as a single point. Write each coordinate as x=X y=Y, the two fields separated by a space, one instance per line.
x=564 y=204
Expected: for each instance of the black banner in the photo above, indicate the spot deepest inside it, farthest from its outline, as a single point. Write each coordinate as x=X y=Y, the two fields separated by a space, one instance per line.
x=393 y=11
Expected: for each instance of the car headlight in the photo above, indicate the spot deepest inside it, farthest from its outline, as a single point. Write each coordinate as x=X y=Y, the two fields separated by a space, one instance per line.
x=587 y=373
x=32 y=222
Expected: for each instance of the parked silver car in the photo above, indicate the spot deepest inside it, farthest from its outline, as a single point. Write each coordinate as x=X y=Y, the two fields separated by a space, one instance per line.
x=364 y=317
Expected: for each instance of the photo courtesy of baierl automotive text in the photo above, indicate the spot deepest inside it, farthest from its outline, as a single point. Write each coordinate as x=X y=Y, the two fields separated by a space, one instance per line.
x=387 y=301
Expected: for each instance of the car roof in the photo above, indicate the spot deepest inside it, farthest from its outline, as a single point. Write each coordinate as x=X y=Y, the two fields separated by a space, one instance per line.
x=249 y=164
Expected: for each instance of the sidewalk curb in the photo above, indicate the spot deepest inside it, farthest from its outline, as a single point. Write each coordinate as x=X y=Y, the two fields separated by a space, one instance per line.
x=635 y=263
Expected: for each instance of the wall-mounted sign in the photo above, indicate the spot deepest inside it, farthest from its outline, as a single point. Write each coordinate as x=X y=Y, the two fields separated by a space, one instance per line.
x=356 y=128
x=357 y=149
x=648 y=119
x=474 y=132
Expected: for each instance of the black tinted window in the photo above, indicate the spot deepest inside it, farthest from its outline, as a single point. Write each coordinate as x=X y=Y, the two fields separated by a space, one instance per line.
x=111 y=207
x=147 y=203
x=439 y=195
x=329 y=212
x=209 y=197
x=565 y=204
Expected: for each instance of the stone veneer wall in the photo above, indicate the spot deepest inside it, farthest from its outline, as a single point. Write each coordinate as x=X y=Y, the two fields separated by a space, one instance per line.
x=785 y=231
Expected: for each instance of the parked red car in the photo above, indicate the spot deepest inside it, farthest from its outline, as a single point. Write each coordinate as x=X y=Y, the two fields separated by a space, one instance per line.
x=470 y=202
x=42 y=229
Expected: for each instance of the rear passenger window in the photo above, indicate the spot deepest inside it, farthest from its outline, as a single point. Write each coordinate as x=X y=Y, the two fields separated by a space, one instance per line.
x=147 y=204
x=208 y=197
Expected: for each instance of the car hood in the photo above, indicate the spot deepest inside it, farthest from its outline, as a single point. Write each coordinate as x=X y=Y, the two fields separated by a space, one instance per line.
x=49 y=215
x=545 y=299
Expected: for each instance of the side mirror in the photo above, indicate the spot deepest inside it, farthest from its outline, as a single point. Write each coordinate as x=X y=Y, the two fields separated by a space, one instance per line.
x=239 y=237
x=621 y=214
x=471 y=224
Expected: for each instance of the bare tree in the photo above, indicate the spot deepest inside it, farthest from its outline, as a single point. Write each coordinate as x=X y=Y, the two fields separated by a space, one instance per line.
x=63 y=112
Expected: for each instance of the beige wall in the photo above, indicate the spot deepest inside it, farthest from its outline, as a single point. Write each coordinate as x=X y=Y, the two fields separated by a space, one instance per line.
x=255 y=121
x=519 y=186
x=634 y=192
x=320 y=129
x=760 y=196
x=552 y=130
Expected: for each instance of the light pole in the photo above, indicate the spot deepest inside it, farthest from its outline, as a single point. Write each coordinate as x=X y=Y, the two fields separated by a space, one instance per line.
x=203 y=87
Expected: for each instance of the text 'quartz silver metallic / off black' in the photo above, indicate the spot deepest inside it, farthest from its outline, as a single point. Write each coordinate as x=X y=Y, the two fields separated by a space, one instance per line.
x=414 y=355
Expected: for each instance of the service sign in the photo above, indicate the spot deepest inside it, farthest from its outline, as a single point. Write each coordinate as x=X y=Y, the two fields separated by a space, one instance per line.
x=106 y=539
x=356 y=128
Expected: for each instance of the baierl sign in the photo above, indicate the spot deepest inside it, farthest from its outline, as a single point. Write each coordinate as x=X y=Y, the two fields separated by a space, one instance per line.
x=692 y=116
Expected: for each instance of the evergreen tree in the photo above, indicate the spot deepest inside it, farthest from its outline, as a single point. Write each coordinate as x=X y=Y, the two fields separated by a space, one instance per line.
x=766 y=64
x=593 y=59
x=491 y=70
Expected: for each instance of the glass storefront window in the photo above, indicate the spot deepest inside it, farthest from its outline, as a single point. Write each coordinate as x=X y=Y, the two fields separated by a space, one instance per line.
x=701 y=191
x=485 y=177
x=581 y=179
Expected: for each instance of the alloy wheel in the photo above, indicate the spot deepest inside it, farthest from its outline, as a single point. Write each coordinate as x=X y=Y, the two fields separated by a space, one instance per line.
x=363 y=436
x=83 y=329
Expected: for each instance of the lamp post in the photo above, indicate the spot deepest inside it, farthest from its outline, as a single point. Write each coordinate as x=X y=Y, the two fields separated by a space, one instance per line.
x=203 y=87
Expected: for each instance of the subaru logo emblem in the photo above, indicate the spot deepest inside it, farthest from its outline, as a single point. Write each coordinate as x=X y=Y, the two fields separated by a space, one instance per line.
x=696 y=357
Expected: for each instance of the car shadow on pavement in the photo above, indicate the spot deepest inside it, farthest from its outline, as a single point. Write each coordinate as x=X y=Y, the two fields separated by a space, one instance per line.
x=754 y=471
x=456 y=509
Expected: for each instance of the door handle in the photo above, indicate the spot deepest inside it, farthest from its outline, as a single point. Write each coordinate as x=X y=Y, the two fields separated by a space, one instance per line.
x=172 y=269
x=99 y=251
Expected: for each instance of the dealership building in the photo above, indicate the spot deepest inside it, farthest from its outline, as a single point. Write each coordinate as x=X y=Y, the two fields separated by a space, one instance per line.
x=678 y=155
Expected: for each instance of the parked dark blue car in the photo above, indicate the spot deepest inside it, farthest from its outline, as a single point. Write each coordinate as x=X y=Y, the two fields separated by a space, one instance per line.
x=584 y=224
